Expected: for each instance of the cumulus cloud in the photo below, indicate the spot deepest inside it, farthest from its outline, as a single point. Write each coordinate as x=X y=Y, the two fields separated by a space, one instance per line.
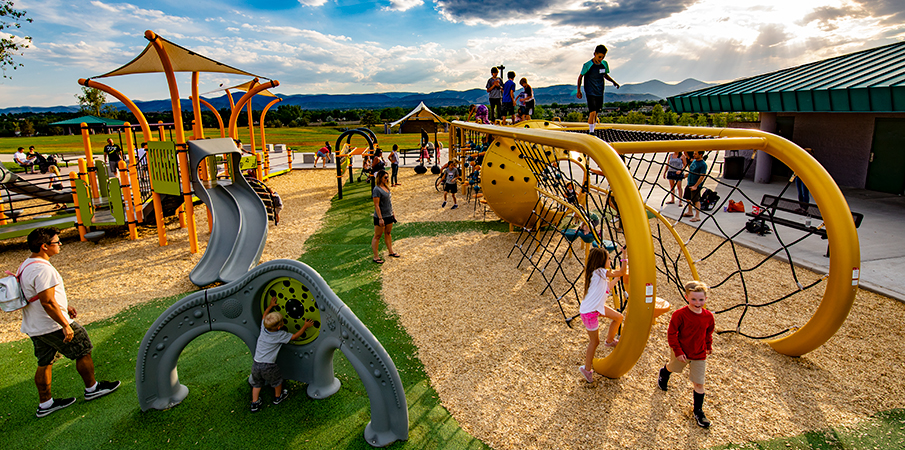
x=403 y=5
x=589 y=13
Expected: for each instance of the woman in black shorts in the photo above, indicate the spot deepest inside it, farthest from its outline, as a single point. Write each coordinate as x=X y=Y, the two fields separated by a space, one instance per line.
x=383 y=215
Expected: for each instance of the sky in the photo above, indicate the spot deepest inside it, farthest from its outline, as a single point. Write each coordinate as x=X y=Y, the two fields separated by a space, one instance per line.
x=360 y=46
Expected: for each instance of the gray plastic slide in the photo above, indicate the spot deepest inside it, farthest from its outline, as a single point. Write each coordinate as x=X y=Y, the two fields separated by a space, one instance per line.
x=239 y=230
x=18 y=185
x=238 y=308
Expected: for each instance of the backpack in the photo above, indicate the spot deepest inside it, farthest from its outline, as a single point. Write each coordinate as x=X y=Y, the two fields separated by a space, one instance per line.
x=757 y=226
x=708 y=199
x=11 y=296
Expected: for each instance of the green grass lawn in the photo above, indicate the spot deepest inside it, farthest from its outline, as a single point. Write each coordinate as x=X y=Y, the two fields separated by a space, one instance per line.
x=306 y=139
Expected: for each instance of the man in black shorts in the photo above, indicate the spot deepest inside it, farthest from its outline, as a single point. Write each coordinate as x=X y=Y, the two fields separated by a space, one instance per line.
x=49 y=321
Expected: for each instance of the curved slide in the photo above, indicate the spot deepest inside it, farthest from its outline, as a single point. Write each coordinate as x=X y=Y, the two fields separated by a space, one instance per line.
x=239 y=228
x=19 y=185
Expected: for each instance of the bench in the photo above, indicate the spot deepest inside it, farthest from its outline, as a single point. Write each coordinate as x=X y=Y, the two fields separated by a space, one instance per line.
x=770 y=204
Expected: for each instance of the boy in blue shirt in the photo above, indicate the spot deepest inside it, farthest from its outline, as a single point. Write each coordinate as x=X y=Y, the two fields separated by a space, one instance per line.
x=509 y=96
x=264 y=370
x=594 y=72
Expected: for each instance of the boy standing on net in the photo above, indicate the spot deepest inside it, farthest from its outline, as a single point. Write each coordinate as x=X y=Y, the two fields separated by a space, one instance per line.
x=594 y=72
x=690 y=339
x=265 y=369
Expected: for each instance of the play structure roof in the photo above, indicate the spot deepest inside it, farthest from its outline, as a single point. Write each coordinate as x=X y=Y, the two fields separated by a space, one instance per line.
x=871 y=80
x=421 y=112
x=183 y=60
x=90 y=120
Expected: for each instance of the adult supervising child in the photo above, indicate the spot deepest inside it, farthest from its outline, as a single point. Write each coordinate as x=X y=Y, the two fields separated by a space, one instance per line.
x=594 y=73
x=696 y=174
x=384 y=217
x=690 y=339
x=598 y=280
x=264 y=369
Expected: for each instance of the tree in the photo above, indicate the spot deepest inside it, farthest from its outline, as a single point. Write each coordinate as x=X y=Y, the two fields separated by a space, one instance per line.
x=11 y=45
x=370 y=118
x=574 y=116
x=93 y=102
x=658 y=116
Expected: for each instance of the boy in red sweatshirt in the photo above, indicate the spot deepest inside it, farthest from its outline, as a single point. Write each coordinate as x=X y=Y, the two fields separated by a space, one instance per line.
x=690 y=339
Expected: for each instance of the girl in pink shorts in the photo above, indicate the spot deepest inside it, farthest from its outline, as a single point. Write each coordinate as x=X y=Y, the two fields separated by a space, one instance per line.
x=598 y=279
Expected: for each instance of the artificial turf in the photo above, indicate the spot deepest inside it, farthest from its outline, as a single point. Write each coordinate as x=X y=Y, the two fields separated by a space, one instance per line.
x=215 y=368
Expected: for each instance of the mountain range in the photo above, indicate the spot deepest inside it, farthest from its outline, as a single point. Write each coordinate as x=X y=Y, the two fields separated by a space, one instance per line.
x=562 y=94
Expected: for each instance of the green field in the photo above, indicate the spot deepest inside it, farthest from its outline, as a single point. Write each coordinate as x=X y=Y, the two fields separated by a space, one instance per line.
x=305 y=139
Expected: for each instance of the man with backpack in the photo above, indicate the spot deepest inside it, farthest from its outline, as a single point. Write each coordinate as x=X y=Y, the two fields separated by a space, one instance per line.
x=50 y=323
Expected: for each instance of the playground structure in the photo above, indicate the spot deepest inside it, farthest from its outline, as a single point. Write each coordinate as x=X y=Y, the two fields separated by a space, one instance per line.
x=525 y=175
x=237 y=308
x=345 y=154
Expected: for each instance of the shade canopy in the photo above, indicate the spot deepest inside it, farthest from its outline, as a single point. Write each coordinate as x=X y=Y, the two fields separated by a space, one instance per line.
x=90 y=120
x=182 y=59
x=421 y=112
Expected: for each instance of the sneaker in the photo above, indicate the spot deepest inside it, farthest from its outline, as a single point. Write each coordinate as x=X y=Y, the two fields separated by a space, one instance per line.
x=256 y=406
x=611 y=344
x=58 y=404
x=454 y=207
x=103 y=388
x=662 y=382
x=701 y=419
x=588 y=375
x=443 y=205
x=283 y=395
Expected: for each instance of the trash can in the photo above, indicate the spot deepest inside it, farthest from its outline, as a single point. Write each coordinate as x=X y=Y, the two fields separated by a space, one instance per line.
x=733 y=166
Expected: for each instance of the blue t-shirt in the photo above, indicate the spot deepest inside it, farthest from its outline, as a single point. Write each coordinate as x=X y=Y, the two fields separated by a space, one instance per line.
x=594 y=77
x=508 y=89
x=696 y=170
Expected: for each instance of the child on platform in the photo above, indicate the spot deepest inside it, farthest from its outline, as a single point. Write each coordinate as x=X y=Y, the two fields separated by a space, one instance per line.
x=264 y=370
x=597 y=286
x=690 y=338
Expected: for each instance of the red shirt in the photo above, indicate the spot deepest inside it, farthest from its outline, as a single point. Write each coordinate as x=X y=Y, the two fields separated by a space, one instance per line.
x=691 y=334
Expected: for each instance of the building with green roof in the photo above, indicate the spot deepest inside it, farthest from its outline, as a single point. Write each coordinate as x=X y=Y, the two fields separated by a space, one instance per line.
x=850 y=110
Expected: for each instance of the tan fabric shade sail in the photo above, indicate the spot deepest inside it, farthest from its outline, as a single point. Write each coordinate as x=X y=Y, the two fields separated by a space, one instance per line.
x=183 y=60
x=421 y=112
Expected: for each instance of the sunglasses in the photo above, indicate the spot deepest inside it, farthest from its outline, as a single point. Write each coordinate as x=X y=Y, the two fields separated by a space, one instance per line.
x=60 y=243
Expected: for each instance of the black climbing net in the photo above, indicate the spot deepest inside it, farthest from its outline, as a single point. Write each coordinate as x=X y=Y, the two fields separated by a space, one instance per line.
x=575 y=206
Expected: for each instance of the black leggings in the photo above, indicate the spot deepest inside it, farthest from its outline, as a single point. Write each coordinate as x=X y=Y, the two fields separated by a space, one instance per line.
x=394 y=178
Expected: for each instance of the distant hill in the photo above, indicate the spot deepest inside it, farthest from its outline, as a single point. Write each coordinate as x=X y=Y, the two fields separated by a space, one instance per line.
x=563 y=94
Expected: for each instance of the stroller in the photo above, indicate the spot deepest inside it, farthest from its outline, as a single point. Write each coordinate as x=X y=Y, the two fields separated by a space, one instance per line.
x=43 y=163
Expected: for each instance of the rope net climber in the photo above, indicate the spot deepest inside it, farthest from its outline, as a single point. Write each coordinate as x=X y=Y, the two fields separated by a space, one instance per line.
x=575 y=208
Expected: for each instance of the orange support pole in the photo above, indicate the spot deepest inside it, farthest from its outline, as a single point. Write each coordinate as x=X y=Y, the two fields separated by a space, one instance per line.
x=145 y=128
x=75 y=203
x=2 y=215
x=216 y=114
x=126 y=184
x=83 y=170
x=264 y=139
x=89 y=156
x=259 y=166
x=158 y=216
x=289 y=155
x=251 y=118
x=181 y=147
x=233 y=118
x=160 y=131
x=197 y=124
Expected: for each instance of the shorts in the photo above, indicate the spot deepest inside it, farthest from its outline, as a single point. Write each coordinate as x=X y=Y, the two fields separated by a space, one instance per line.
x=674 y=175
x=508 y=109
x=525 y=111
x=591 y=321
x=594 y=103
x=452 y=188
x=692 y=195
x=47 y=345
x=57 y=186
x=386 y=221
x=696 y=372
x=263 y=374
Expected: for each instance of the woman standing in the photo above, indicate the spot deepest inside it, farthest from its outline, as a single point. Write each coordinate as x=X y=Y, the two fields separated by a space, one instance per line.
x=383 y=216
